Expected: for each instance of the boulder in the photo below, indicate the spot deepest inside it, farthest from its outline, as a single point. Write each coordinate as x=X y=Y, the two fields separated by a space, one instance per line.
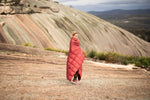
x=53 y=9
x=2 y=23
x=5 y=9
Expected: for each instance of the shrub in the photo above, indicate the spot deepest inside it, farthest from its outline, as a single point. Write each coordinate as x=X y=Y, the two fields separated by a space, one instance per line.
x=92 y=54
x=35 y=6
x=118 y=58
x=112 y=57
x=66 y=53
x=85 y=53
x=27 y=44
x=57 y=50
x=101 y=56
x=144 y=61
x=138 y=63
x=130 y=59
x=49 y=49
x=34 y=46
x=31 y=11
x=125 y=62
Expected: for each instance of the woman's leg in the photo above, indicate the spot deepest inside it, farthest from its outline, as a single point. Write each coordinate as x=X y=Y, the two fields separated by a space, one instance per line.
x=75 y=75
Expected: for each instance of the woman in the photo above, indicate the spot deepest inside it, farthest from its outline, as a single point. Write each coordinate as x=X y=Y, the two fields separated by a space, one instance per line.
x=74 y=60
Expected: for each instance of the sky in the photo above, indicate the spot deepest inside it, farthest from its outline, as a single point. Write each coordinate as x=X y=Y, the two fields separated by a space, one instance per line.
x=104 y=5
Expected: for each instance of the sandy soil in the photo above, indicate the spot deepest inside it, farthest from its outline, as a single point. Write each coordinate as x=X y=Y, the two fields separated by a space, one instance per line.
x=27 y=77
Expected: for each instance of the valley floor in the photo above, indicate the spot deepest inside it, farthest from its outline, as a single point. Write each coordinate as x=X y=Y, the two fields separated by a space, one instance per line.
x=27 y=77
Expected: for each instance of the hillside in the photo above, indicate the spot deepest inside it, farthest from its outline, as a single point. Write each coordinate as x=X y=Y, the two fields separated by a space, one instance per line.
x=53 y=23
x=135 y=21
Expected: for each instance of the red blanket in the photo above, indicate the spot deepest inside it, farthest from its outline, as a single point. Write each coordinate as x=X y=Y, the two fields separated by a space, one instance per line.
x=74 y=60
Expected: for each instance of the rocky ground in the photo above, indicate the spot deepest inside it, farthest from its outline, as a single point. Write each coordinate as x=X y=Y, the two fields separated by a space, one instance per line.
x=35 y=77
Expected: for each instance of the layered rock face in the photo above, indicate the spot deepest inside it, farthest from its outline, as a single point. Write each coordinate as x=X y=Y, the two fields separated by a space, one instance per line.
x=53 y=26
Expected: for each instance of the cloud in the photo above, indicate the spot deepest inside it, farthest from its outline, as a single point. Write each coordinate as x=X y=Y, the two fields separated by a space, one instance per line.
x=81 y=2
x=102 y=5
x=95 y=2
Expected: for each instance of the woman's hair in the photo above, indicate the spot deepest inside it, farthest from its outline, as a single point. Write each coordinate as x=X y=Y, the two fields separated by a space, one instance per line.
x=73 y=33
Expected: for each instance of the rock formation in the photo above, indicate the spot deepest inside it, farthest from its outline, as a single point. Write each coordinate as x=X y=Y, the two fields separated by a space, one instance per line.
x=51 y=29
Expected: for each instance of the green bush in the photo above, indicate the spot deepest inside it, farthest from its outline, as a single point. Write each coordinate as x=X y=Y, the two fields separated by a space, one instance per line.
x=57 y=50
x=144 y=61
x=125 y=62
x=34 y=46
x=85 y=53
x=27 y=44
x=101 y=56
x=130 y=59
x=138 y=63
x=49 y=49
x=92 y=54
x=66 y=53
x=111 y=57
x=35 y=6
x=118 y=58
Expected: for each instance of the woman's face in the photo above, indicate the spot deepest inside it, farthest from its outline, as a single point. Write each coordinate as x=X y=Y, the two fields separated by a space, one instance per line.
x=75 y=36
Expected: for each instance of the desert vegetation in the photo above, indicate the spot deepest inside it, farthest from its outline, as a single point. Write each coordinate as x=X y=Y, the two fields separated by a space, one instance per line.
x=29 y=45
x=57 y=50
x=113 y=57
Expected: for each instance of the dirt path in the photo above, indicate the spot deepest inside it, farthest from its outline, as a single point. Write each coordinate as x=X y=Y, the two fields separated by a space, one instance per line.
x=26 y=77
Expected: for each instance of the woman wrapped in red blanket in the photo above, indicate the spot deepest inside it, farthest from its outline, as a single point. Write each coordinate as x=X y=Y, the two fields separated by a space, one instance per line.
x=74 y=60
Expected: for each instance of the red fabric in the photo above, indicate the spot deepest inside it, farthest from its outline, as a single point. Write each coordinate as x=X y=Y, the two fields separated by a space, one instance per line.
x=75 y=59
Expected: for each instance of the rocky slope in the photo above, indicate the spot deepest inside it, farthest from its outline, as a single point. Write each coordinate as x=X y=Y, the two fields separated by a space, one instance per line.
x=54 y=25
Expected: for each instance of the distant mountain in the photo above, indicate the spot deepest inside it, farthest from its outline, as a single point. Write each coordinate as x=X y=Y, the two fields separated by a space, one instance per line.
x=120 y=11
x=135 y=21
x=53 y=26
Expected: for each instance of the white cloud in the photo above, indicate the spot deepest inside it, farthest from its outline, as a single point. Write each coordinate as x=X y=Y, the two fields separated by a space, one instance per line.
x=81 y=2
x=103 y=5
x=95 y=2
